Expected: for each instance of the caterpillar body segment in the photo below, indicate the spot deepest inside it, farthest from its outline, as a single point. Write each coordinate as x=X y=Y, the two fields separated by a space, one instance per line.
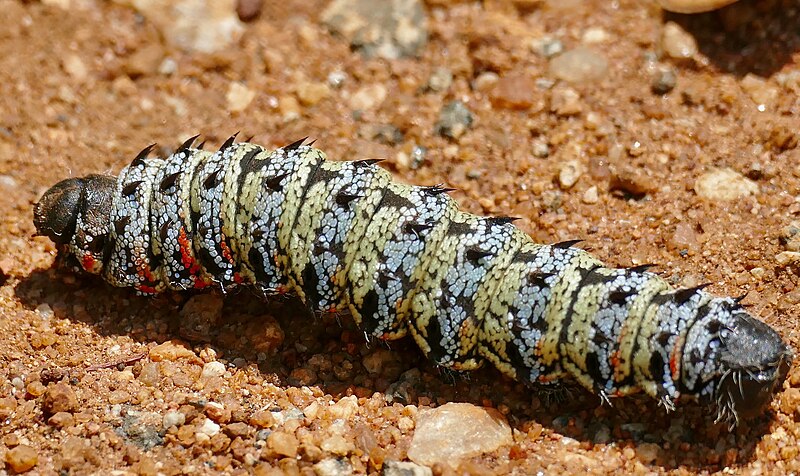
x=403 y=260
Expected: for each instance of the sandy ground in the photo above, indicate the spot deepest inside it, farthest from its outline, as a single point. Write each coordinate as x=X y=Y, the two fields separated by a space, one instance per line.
x=613 y=159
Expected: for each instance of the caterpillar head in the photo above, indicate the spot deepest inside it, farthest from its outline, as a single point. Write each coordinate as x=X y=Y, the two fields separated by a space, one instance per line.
x=74 y=213
x=748 y=360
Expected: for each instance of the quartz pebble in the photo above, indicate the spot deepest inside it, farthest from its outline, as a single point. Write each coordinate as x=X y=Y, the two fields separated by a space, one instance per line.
x=582 y=64
x=405 y=468
x=239 y=97
x=677 y=43
x=454 y=431
x=213 y=369
x=570 y=172
x=333 y=467
x=454 y=120
x=173 y=418
x=368 y=97
x=172 y=350
x=723 y=185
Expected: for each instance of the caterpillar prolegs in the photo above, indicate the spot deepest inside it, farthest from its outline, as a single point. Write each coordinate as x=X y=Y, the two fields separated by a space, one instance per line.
x=404 y=259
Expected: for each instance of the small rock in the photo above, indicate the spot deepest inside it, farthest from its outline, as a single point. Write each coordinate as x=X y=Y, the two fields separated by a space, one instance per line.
x=383 y=133
x=143 y=429
x=647 y=452
x=310 y=93
x=283 y=443
x=785 y=258
x=579 y=65
x=248 y=10
x=336 y=79
x=485 y=81
x=590 y=196
x=237 y=429
x=454 y=431
x=790 y=236
x=213 y=369
x=454 y=120
x=368 y=97
x=594 y=35
x=7 y=407
x=150 y=375
x=173 y=418
x=337 y=445
x=262 y=419
x=540 y=149
x=632 y=181
x=22 y=458
x=205 y=26
x=570 y=172
x=684 y=238
x=677 y=43
x=664 y=80
x=171 y=350
x=75 y=67
x=760 y=91
x=61 y=420
x=440 y=80
x=514 y=91
x=333 y=467
x=547 y=46
x=239 y=97
x=790 y=402
x=565 y=101
x=45 y=311
x=59 y=397
x=723 y=185
x=405 y=468
x=601 y=435
x=145 y=61
x=345 y=408
x=208 y=428
x=289 y=108
x=389 y=29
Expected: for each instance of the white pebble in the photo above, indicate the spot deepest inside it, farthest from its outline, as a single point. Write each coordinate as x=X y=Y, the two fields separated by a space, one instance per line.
x=213 y=369
x=208 y=428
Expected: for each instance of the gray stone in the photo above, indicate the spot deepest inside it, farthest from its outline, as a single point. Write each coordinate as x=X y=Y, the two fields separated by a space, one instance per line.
x=454 y=120
x=388 y=29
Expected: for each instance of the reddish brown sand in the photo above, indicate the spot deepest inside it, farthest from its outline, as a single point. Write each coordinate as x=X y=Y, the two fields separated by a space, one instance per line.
x=79 y=93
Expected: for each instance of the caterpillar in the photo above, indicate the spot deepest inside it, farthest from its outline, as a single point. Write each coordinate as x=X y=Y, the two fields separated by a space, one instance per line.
x=402 y=259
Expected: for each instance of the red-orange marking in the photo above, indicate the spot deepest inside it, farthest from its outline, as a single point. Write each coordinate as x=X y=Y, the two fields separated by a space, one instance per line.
x=675 y=360
x=187 y=257
x=88 y=262
x=226 y=251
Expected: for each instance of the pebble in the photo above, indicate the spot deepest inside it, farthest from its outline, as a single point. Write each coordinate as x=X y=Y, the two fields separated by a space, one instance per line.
x=454 y=431
x=785 y=258
x=760 y=91
x=310 y=93
x=145 y=61
x=677 y=43
x=693 y=6
x=283 y=443
x=582 y=64
x=45 y=311
x=204 y=26
x=248 y=10
x=565 y=101
x=239 y=97
x=237 y=429
x=22 y=458
x=333 y=467
x=569 y=173
x=594 y=35
x=647 y=452
x=454 y=120
x=368 y=97
x=173 y=418
x=172 y=350
x=684 y=238
x=485 y=81
x=143 y=429
x=75 y=67
x=790 y=402
x=338 y=445
x=590 y=196
x=7 y=407
x=405 y=468
x=440 y=80
x=345 y=408
x=540 y=149
x=790 y=236
x=61 y=420
x=208 y=428
x=59 y=397
x=514 y=91
x=724 y=184
x=632 y=181
x=547 y=46
x=663 y=80
x=213 y=369
x=289 y=107
x=388 y=29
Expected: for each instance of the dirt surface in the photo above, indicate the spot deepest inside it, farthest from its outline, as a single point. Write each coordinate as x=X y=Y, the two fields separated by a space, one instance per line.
x=89 y=374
